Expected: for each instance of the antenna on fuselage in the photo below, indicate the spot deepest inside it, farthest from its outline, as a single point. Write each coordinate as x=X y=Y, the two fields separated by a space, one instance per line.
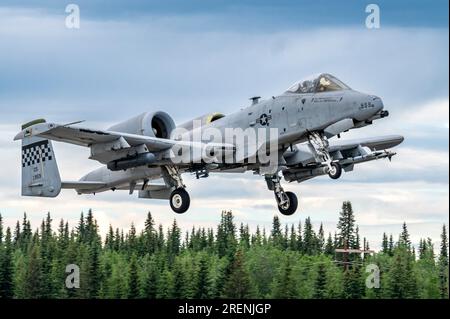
x=255 y=99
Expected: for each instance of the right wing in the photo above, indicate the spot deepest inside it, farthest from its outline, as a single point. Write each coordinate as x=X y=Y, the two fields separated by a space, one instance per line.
x=374 y=143
x=302 y=163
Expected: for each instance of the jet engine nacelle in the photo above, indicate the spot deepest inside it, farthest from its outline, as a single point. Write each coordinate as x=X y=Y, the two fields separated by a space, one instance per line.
x=156 y=124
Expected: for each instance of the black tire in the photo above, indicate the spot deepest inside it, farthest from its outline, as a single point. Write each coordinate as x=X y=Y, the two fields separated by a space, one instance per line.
x=179 y=200
x=291 y=207
x=337 y=172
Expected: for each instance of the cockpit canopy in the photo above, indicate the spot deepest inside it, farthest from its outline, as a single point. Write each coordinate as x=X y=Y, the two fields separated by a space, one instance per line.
x=318 y=83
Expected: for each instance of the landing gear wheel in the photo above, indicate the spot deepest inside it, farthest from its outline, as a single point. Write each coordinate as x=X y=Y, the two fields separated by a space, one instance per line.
x=179 y=200
x=290 y=205
x=335 y=171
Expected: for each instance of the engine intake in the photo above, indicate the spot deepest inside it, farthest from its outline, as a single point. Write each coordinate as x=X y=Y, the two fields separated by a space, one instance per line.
x=157 y=124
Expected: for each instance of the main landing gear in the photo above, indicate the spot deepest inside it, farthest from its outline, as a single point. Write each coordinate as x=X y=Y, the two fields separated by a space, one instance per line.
x=287 y=201
x=320 y=145
x=179 y=198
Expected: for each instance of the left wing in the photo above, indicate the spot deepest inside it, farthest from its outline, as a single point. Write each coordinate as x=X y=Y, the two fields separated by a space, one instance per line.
x=109 y=142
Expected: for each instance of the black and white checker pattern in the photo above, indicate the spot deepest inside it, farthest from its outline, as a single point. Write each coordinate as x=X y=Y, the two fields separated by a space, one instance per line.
x=34 y=153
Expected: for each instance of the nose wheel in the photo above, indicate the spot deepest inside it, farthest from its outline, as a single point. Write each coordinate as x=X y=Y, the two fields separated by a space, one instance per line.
x=179 y=200
x=319 y=145
x=335 y=171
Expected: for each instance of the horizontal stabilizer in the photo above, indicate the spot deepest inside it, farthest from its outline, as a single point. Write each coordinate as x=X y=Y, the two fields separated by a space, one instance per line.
x=82 y=185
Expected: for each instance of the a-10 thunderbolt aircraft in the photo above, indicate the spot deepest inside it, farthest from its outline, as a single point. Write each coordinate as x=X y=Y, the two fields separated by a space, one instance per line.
x=284 y=136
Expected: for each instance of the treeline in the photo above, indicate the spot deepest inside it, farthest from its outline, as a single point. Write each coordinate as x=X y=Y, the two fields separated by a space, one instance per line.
x=293 y=261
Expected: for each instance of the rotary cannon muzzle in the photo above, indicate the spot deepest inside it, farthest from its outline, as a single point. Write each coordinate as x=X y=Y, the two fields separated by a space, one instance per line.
x=384 y=114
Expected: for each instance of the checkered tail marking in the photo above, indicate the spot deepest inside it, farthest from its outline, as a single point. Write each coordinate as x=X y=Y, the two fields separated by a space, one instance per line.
x=34 y=153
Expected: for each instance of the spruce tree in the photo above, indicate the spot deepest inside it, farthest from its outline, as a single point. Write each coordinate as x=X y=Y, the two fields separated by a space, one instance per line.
x=257 y=238
x=63 y=236
x=329 y=247
x=17 y=236
x=321 y=239
x=202 y=286
x=346 y=227
x=150 y=234
x=109 y=240
x=385 y=244
x=422 y=249
x=309 y=238
x=226 y=236
x=293 y=239
x=276 y=235
x=117 y=243
x=133 y=291
x=151 y=284
x=284 y=285
x=402 y=279
x=24 y=236
x=210 y=241
x=320 y=283
x=173 y=241
x=443 y=264
x=47 y=250
x=93 y=275
x=180 y=290
x=404 y=238
x=353 y=285
x=160 y=241
x=285 y=241
x=244 y=236
x=391 y=246
x=238 y=285
x=132 y=241
x=81 y=229
x=165 y=290
x=300 y=246
x=33 y=283
x=6 y=267
x=1 y=229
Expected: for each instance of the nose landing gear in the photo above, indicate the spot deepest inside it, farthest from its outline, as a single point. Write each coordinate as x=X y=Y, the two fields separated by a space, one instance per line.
x=319 y=144
x=336 y=170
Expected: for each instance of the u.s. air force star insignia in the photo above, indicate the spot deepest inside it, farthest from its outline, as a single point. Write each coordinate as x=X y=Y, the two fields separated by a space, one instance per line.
x=264 y=119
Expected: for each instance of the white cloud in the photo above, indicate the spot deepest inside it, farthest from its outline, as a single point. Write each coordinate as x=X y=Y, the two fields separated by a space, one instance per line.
x=433 y=114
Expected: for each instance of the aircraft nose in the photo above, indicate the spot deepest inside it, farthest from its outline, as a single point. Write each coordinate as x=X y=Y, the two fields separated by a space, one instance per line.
x=377 y=102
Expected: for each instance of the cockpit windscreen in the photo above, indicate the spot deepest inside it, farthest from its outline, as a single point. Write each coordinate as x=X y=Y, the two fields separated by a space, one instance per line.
x=319 y=83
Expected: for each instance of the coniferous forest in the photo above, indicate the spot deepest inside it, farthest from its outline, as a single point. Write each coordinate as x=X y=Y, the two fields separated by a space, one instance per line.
x=292 y=261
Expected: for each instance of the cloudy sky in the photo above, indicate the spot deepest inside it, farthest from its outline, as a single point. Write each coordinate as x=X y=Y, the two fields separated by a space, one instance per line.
x=193 y=57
